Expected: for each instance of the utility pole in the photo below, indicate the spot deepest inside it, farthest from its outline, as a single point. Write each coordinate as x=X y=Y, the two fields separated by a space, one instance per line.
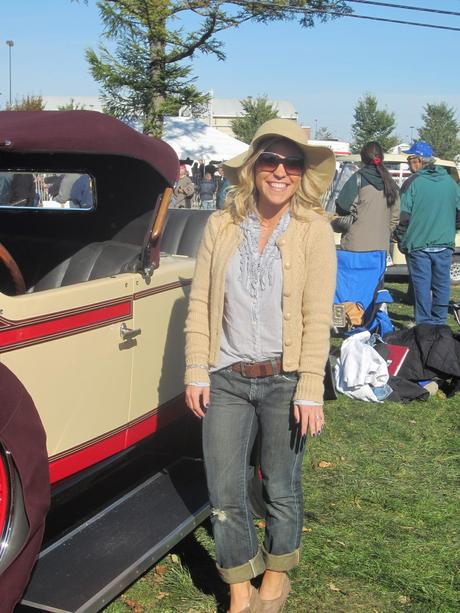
x=411 y=134
x=10 y=44
x=316 y=129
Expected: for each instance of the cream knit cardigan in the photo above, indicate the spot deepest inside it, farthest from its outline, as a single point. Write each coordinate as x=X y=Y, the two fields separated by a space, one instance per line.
x=309 y=272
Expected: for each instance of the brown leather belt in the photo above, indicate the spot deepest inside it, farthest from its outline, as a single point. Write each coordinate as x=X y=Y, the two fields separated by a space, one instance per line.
x=254 y=370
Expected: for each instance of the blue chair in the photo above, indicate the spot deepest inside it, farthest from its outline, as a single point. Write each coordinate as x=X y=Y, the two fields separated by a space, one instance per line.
x=360 y=280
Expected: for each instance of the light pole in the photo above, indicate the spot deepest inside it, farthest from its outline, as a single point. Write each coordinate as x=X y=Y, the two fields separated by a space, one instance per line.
x=10 y=44
x=316 y=129
x=411 y=134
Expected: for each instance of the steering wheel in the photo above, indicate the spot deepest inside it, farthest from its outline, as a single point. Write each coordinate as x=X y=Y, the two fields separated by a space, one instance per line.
x=11 y=266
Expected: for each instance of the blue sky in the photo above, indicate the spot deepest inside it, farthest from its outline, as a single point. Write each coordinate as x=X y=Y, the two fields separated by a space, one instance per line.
x=323 y=71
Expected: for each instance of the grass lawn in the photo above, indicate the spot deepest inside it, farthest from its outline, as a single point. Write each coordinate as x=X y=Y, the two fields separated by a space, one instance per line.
x=381 y=517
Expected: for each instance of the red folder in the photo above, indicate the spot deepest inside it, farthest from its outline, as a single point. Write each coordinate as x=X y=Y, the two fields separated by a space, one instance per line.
x=395 y=358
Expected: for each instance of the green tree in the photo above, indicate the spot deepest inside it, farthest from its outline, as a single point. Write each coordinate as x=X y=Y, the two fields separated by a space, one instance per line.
x=441 y=129
x=256 y=112
x=372 y=124
x=324 y=134
x=27 y=103
x=147 y=75
x=71 y=106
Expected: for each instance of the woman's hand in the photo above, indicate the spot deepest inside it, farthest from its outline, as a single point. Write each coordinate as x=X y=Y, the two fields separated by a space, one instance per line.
x=197 y=399
x=309 y=418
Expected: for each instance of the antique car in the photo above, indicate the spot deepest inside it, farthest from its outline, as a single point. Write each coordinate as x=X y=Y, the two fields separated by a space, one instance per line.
x=93 y=291
x=399 y=169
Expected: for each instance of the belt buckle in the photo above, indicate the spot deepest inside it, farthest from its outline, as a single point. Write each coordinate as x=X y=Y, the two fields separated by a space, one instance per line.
x=243 y=369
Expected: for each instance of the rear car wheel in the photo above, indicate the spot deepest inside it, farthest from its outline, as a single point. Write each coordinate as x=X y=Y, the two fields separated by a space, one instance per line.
x=455 y=271
x=24 y=487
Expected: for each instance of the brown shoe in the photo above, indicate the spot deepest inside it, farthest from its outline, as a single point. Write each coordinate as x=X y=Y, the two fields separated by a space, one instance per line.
x=255 y=604
x=277 y=604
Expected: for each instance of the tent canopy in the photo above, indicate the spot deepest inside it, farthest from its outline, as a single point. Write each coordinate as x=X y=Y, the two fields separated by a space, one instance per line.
x=192 y=138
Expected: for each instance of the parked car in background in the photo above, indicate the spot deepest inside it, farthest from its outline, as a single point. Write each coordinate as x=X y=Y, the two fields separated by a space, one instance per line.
x=399 y=169
x=93 y=296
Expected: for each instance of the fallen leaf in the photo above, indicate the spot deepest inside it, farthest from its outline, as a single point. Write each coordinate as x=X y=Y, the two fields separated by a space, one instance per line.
x=412 y=421
x=342 y=458
x=175 y=558
x=304 y=529
x=160 y=569
x=261 y=524
x=341 y=543
x=324 y=464
x=333 y=588
x=403 y=599
x=162 y=595
x=135 y=606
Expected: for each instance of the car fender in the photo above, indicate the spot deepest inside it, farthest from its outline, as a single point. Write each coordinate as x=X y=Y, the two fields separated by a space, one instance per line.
x=23 y=440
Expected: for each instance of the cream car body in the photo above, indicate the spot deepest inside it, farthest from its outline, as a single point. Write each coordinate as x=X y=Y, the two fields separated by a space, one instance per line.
x=97 y=342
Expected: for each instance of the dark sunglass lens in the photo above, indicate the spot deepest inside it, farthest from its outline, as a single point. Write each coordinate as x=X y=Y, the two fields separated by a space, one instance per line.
x=268 y=161
x=293 y=165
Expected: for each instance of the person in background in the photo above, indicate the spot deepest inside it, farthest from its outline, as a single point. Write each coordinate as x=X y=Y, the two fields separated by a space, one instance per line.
x=372 y=197
x=6 y=179
x=257 y=341
x=207 y=191
x=81 y=194
x=430 y=215
x=222 y=187
x=23 y=192
x=184 y=189
x=196 y=173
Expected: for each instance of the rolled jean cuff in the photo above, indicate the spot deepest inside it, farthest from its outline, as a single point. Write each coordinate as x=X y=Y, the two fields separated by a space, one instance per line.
x=281 y=563
x=245 y=572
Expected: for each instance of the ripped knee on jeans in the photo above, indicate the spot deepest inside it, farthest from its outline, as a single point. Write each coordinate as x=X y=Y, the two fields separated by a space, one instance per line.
x=219 y=514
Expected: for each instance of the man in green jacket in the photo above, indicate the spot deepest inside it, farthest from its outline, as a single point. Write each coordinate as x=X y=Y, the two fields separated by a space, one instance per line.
x=429 y=217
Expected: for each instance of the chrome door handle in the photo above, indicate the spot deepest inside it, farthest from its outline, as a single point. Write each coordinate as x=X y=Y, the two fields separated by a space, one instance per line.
x=128 y=333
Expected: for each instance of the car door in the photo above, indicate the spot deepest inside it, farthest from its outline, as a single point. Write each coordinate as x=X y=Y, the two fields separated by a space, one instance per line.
x=159 y=309
x=65 y=346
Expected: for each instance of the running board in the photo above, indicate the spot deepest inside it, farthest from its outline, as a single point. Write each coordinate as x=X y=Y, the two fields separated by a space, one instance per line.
x=87 y=568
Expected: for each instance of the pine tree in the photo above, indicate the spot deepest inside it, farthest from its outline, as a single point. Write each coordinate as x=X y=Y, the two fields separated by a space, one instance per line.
x=441 y=130
x=256 y=112
x=145 y=78
x=372 y=124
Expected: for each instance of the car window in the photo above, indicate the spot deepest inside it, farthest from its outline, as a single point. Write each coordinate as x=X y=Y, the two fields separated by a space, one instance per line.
x=47 y=190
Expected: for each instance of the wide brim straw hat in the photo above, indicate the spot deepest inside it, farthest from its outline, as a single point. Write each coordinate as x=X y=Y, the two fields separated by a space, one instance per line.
x=320 y=161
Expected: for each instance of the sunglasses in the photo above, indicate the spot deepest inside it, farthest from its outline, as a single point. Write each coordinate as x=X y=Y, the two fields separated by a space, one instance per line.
x=268 y=162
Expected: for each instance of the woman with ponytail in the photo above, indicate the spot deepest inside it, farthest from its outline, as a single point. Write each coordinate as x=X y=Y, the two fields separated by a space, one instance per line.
x=372 y=198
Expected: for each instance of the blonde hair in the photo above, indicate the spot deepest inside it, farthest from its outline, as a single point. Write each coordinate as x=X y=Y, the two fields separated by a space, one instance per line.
x=241 y=199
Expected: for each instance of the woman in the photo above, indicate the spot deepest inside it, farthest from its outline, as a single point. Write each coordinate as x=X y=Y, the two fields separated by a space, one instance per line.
x=257 y=333
x=371 y=197
x=207 y=191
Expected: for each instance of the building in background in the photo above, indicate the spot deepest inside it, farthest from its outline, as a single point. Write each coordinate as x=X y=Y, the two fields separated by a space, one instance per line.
x=222 y=111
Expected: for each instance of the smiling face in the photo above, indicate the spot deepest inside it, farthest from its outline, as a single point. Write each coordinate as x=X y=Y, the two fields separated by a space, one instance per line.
x=276 y=188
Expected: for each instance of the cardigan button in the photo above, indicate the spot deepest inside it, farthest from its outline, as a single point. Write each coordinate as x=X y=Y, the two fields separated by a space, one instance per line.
x=287 y=342
x=286 y=293
x=287 y=316
x=287 y=266
x=282 y=242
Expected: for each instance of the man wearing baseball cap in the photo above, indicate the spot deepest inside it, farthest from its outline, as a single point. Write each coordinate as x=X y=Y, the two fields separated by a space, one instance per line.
x=418 y=150
x=429 y=216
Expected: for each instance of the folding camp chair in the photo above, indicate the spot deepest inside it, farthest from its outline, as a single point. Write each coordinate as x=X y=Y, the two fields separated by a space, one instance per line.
x=359 y=287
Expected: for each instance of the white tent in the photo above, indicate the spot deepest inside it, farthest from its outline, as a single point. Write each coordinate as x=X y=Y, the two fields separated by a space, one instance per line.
x=192 y=138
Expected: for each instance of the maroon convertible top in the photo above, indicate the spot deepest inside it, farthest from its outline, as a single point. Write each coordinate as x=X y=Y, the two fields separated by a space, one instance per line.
x=83 y=132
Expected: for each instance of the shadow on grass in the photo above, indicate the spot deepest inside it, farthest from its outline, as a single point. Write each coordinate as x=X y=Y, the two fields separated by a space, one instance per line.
x=202 y=568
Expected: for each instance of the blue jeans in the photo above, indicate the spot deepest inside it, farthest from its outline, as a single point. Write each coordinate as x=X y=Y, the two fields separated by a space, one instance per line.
x=239 y=408
x=430 y=274
x=207 y=204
